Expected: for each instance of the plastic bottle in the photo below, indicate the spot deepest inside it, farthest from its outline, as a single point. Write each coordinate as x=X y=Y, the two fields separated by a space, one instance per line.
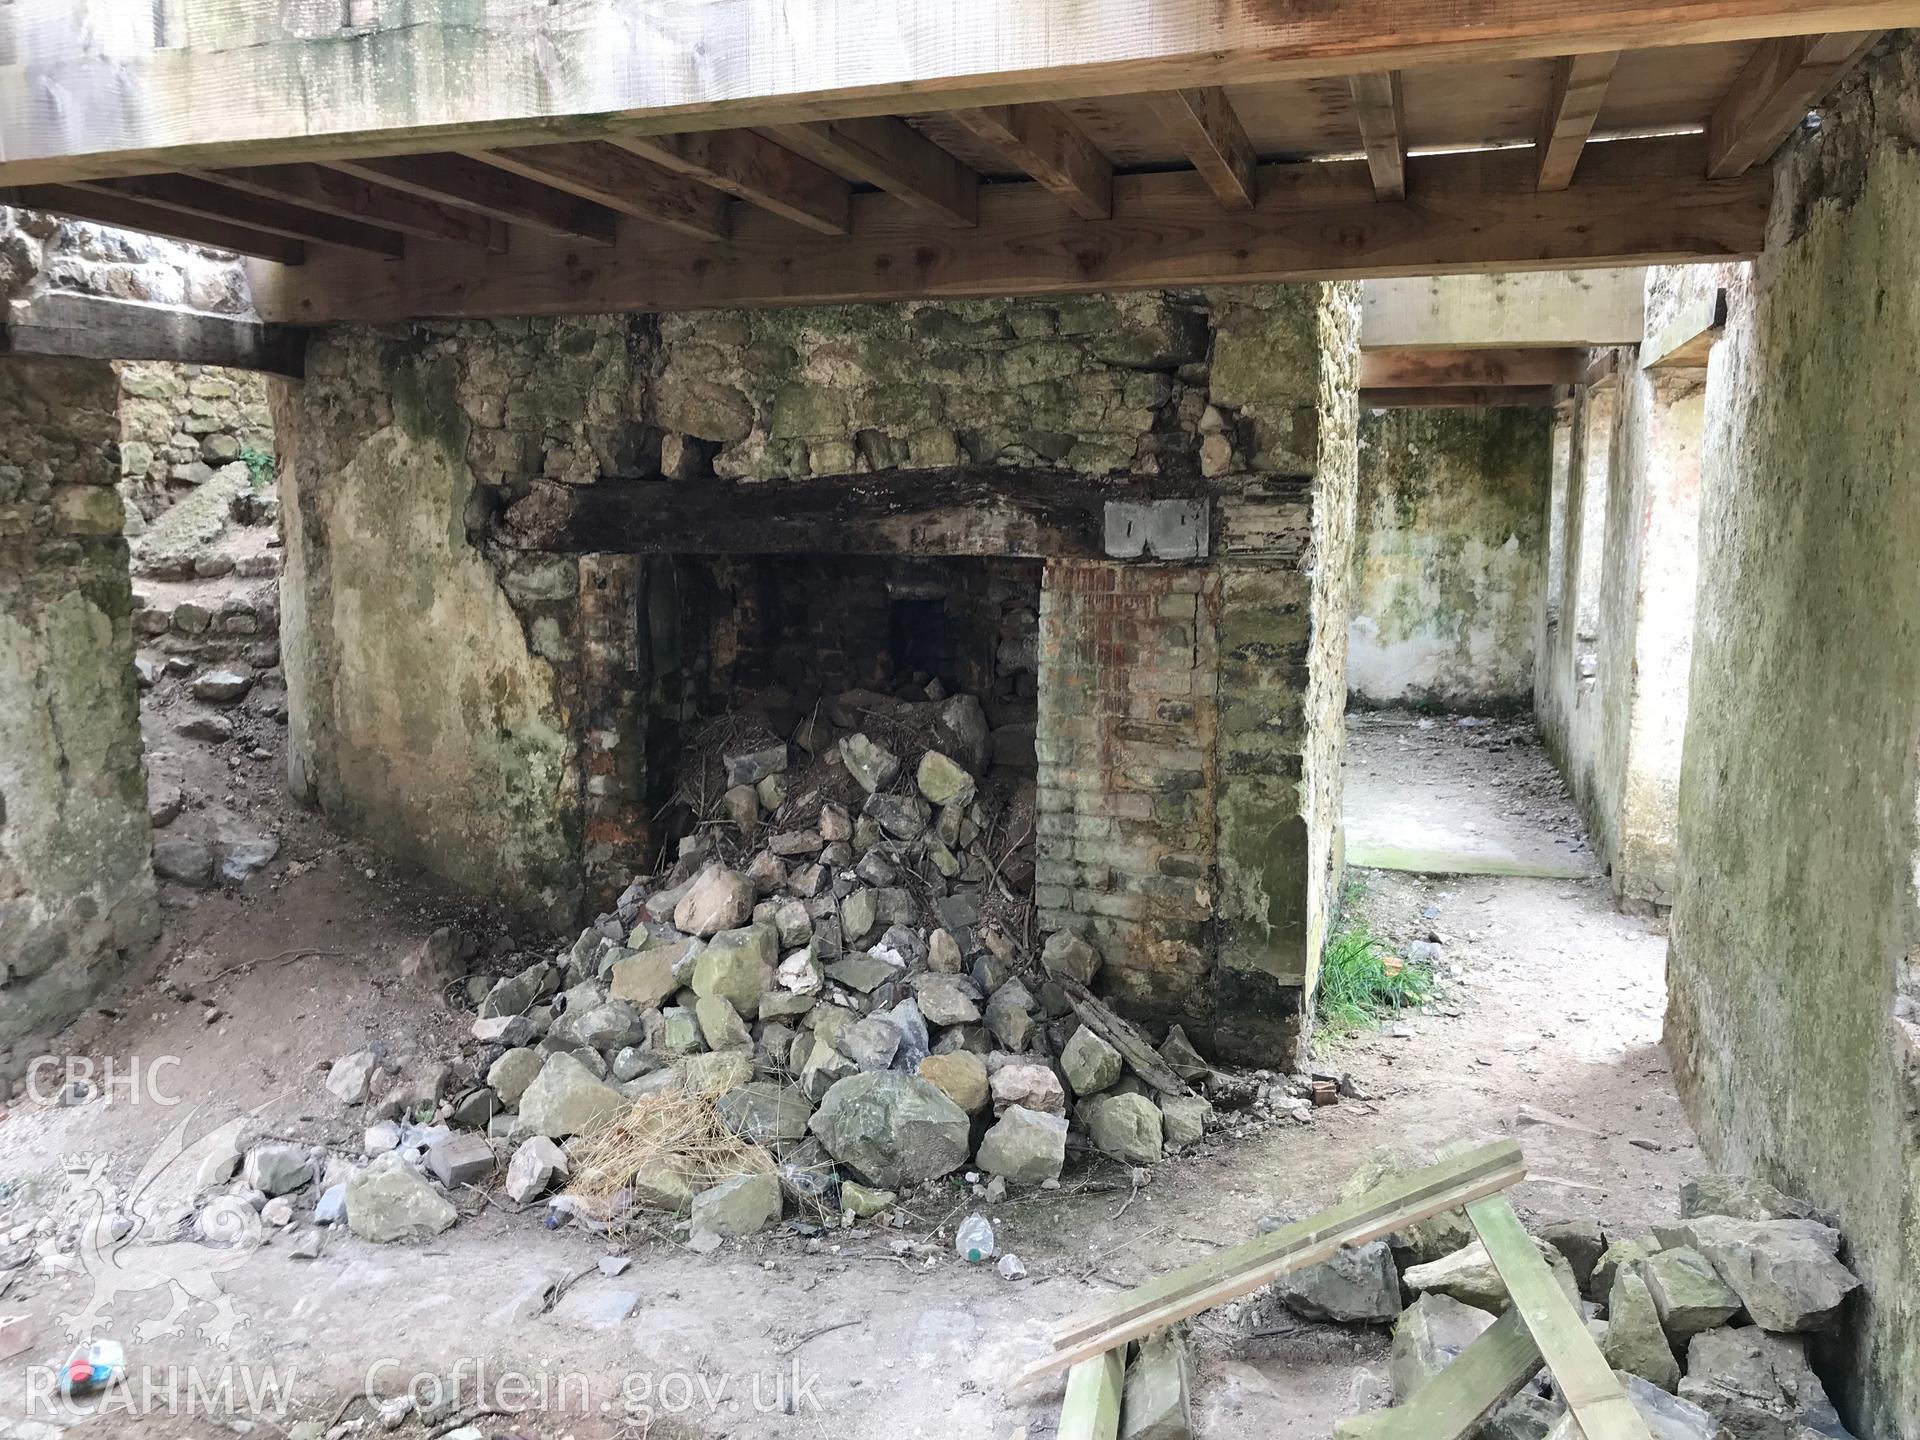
x=974 y=1239
x=92 y=1367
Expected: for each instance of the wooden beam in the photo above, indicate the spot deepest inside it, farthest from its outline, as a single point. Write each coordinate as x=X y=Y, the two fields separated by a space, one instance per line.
x=124 y=214
x=1783 y=81
x=1637 y=201
x=1578 y=91
x=1555 y=308
x=1687 y=339
x=1400 y=368
x=1265 y=1258
x=190 y=196
x=754 y=169
x=1456 y=397
x=1454 y=1403
x=225 y=84
x=1204 y=126
x=330 y=192
x=1091 y=1409
x=468 y=185
x=97 y=328
x=1044 y=142
x=619 y=180
x=893 y=156
x=968 y=511
x=1378 y=106
x=1586 y=1381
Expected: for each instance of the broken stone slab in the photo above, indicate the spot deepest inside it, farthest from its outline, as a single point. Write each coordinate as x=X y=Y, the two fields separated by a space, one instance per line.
x=1743 y=1197
x=187 y=862
x=536 y=1165
x=1070 y=955
x=715 y=1073
x=1009 y=1015
x=1469 y=1277
x=1025 y=1146
x=904 y=817
x=606 y=1026
x=1183 y=1119
x=566 y=1098
x=720 y=1024
x=942 y=781
x=1759 y=1386
x=871 y=1043
x=221 y=687
x=738 y=1207
x=961 y=1075
x=718 y=899
x=1688 y=1292
x=646 y=980
x=278 y=1169
x=765 y=1112
x=1358 y=1285
x=1786 y=1272
x=241 y=856
x=1030 y=1086
x=391 y=1201
x=510 y=1075
x=1428 y=1337
x=737 y=965
x=1089 y=1063
x=1155 y=1399
x=872 y=765
x=351 y=1076
x=790 y=843
x=463 y=1158
x=892 y=1129
x=1126 y=1127
x=1617 y=1256
x=946 y=999
x=752 y=766
x=1635 y=1341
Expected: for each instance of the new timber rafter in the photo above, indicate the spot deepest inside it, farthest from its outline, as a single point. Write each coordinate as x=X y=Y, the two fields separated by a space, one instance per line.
x=1637 y=201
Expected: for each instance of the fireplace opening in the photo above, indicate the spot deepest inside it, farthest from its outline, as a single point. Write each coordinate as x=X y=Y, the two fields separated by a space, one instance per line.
x=748 y=652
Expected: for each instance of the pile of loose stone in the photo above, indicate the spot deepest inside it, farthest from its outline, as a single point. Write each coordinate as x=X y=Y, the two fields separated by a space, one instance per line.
x=830 y=987
x=1705 y=1320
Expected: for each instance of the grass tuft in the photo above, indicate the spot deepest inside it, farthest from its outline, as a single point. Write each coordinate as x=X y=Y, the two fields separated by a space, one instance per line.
x=1362 y=982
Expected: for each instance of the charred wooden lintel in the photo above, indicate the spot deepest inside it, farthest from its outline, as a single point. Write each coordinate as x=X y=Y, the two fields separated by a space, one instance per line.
x=978 y=510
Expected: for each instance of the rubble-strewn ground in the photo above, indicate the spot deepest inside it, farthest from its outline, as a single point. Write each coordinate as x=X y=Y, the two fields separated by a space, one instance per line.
x=1548 y=1032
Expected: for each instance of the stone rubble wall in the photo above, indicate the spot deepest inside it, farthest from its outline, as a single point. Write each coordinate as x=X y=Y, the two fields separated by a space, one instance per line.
x=1450 y=558
x=46 y=252
x=180 y=425
x=410 y=728
x=76 y=883
x=1794 y=1012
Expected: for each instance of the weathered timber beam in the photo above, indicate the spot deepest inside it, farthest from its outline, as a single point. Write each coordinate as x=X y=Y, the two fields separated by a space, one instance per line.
x=752 y=168
x=263 y=84
x=1423 y=367
x=967 y=511
x=1686 y=341
x=893 y=156
x=190 y=196
x=1578 y=91
x=1553 y=308
x=1637 y=201
x=125 y=214
x=1780 y=84
x=469 y=185
x=332 y=192
x=1378 y=106
x=1204 y=125
x=1455 y=397
x=96 y=328
x=1045 y=143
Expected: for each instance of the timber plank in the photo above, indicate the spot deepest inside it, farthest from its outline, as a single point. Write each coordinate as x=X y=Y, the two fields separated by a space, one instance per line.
x=752 y=168
x=1783 y=81
x=469 y=185
x=489 y=73
x=619 y=180
x=192 y=196
x=1573 y=105
x=1454 y=1403
x=1091 y=1409
x=1455 y=397
x=1043 y=141
x=98 y=328
x=333 y=192
x=1204 y=126
x=1382 y=113
x=1587 y=1383
x=893 y=156
x=1399 y=366
x=1259 y=1261
x=1637 y=201
x=1687 y=339
x=125 y=214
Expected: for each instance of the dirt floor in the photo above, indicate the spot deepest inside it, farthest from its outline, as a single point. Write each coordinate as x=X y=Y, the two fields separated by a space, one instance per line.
x=1548 y=1031
x=1459 y=795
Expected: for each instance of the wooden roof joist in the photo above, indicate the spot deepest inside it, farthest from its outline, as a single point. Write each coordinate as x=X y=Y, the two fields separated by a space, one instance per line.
x=270 y=84
x=1636 y=201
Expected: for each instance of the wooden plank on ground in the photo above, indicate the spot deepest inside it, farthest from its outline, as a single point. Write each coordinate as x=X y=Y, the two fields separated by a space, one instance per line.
x=1454 y=1403
x=1091 y=1409
x=1256 y=1262
x=1125 y=1037
x=1587 y=1383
